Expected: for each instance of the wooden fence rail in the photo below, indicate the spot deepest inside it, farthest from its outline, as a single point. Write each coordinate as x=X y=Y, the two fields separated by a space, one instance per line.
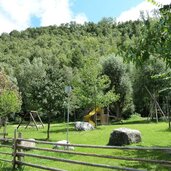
x=2 y=153
x=18 y=154
x=99 y=146
x=76 y=162
x=6 y=146
x=6 y=153
x=98 y=155
x=5 y=160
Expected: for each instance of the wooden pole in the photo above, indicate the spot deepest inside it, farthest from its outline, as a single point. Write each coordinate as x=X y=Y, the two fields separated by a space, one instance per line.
x=151 y=111
x=169 y=120
x=156 y=113
x=40 y=120
x=14 y=149
x=33 y=120
x=4 y=131
x=22 y=118
x=157 y=104
x=19 y=149
x=28 y=124
x=168 y=110
x=108 y=115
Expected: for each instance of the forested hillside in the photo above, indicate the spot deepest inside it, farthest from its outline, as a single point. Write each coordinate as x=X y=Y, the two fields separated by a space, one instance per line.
x=101 y=62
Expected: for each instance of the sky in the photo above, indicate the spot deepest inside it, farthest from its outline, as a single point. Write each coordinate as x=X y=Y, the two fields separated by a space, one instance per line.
x=21 y=14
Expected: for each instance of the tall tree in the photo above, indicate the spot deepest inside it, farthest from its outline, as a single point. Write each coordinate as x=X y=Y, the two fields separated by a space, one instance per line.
x=90 y=85
x=144 y=77
x=49 y=91
x=10 y=100
x=116 y=70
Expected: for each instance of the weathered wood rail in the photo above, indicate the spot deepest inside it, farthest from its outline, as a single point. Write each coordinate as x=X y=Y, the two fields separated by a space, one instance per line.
x=18 y=154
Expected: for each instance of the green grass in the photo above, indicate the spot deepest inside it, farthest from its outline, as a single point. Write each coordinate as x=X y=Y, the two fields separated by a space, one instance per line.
x=152 y=135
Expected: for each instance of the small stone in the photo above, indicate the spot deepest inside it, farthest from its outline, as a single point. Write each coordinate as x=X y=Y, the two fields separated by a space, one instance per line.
x=27 y=144
x=56 y=146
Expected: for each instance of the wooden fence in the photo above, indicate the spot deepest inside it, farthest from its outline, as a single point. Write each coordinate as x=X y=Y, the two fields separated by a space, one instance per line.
x=19 y=154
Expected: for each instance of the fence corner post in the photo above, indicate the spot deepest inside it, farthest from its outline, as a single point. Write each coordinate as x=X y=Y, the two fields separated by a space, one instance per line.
x=14 y=149
x=19 y=150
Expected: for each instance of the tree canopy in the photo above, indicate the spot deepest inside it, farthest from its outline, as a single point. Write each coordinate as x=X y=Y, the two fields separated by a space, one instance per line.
x=10 y=100
x=92 y=58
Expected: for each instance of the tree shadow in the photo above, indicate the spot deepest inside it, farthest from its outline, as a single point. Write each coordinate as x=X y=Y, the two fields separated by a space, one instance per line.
x=70 y=129
x=7 y=143
x=57 y=125
x=98 y=127
x=147 y=154
x=131 y=122
x=62 y=130
x=8 y=169
x=165 y=130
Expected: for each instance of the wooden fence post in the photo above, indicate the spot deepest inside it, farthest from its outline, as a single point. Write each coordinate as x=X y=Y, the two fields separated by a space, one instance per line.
x=19 y=149
x=14 y=148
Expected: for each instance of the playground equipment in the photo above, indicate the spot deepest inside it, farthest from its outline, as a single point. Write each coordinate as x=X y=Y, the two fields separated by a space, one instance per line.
x=32 y=115
x=97 y=116
x=156 y=106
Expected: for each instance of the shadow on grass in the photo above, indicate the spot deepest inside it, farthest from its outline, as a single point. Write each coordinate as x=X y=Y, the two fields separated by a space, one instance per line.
x=7 y=169
x=7 y=143
x=165 y=130
x=71 y=129
x=61 y=130
x=147 y=154
x=136 y=122
x=57 y=125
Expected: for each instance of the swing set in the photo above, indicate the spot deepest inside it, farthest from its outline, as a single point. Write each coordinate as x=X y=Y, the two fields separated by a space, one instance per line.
x=32 y=117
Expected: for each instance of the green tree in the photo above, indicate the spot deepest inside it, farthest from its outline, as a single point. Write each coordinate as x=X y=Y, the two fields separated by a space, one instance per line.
x=144 y=77
x=42 y=86
x=89 y=85
x=49 y=91
x=10 y=100
x=118 y=74
x=28 y=75
x=153 y=38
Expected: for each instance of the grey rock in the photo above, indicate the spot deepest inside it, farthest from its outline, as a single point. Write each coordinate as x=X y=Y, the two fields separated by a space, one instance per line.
x=83 y=126
x=63 y=147
x=27 y=144
x=124 y=136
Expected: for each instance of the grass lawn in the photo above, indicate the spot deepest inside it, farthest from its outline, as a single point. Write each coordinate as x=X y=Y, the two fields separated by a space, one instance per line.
x=152 y=135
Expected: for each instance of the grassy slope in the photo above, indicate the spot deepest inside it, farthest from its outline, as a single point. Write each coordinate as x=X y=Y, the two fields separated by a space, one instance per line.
x=152 y=135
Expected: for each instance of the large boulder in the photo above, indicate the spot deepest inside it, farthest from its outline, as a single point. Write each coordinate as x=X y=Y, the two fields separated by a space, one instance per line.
x=124 y=136
x=83 y=126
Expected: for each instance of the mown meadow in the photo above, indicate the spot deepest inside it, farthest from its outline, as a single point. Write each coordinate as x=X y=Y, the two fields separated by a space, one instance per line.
x=153 y=134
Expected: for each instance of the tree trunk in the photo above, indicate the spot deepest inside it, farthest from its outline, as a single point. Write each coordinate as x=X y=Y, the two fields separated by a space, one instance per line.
x=5 y=127
x=118 y=113
x=48 y=128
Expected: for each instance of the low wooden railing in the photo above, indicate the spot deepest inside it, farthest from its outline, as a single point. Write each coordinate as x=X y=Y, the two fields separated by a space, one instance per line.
x=2 y=153
x=18 y=155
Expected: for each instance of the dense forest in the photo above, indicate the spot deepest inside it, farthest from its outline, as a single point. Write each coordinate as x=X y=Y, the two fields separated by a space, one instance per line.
x=107 y=64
